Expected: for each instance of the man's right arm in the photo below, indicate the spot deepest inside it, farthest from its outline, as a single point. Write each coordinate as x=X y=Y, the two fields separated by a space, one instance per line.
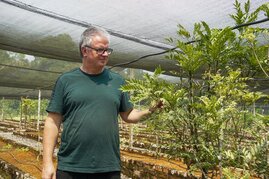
x=50 y=136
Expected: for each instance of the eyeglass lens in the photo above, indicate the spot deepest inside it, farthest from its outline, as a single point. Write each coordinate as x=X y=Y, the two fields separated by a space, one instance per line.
x=100 y=51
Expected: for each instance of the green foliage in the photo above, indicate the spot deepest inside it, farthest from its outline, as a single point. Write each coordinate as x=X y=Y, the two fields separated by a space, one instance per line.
x=27 y=78
x=29 y=107
x=54 y=43
x=229 y=173
x=212 y=122
x=44 y=105
x=7 y=147
x=12 y=107
x=215 y=45
x=251 y=158
x=183 y=32
x=245 y=16
x=23 y=149
x=9 y=108
x=152 y=89
x=190 y=59
x=265 y=9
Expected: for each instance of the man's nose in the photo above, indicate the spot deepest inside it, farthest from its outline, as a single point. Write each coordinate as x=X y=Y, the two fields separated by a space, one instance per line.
x=105 y=53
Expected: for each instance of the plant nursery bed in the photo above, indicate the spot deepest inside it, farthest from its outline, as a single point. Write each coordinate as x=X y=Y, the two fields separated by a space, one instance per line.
x=27 y=162
x=19 y=161
x=139 y=166
x=23 y=162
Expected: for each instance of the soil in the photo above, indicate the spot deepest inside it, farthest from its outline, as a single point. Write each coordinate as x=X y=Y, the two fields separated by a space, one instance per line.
x=177 y=165
x=22 y=158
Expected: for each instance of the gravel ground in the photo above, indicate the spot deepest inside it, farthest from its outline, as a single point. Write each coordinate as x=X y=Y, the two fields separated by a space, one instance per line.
x=30 y=143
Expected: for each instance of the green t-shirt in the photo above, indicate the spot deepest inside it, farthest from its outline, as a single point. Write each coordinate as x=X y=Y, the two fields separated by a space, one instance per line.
x=90 y=105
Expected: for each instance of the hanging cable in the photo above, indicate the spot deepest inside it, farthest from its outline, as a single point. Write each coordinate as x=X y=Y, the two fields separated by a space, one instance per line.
x=189 y=42
x=149 y=55
x=24 y=93
x=32 y=69
x=250 y=23
x=145 y=56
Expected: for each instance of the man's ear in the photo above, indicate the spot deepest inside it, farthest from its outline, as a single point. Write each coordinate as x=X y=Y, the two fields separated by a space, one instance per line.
x=84 y=51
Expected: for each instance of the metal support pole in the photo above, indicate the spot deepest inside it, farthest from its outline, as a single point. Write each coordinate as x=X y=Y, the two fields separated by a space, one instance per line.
x=21 y=114
x=2 y=115
x=254 y=109
x=38 y=109
x=131 y=131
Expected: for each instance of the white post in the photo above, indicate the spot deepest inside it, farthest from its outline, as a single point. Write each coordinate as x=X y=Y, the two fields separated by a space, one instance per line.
x=21 y=114
x=2 y=115
x=38 y=109
x=254 y=108
x=131 y=132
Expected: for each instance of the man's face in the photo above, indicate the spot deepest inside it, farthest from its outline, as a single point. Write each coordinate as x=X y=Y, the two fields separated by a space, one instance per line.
x=92 y=53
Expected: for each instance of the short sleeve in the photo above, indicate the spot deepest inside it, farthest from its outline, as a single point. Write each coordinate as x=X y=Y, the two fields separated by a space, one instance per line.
x=125 y=103
x=56 y=101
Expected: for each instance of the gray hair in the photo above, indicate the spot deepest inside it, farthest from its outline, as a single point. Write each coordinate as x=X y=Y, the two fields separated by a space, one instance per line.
x=89 y=33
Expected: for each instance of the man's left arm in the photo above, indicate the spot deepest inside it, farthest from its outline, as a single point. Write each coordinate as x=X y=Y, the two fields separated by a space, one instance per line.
x=135 y=115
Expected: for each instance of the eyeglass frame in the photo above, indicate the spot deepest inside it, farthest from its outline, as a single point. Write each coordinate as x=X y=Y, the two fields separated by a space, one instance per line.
x=101 y=51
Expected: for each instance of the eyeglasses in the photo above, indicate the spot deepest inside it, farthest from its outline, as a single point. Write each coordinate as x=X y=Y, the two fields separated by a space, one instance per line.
x=101 y=51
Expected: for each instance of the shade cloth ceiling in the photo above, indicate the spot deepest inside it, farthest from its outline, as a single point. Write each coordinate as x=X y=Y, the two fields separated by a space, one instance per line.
x=52 y=28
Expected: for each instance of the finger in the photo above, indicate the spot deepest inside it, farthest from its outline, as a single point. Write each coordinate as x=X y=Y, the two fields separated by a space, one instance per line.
x=159 y=104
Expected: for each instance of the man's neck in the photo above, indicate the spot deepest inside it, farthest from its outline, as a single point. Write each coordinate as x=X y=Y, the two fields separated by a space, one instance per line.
x=91 y=71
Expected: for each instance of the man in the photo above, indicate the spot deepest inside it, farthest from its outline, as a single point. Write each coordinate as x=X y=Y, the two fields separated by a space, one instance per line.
x=87 y=100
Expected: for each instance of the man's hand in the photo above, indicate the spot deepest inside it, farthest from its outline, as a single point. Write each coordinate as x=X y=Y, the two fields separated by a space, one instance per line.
x=134 y=115
x=48 y=171
x=158 y=105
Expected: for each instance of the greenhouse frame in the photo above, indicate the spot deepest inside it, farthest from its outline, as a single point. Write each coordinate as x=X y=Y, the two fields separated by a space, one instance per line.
x=186 y=53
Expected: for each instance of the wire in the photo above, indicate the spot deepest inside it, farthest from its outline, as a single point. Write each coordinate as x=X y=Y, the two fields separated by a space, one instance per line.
x=250 y=23
x=26 y=68
x=35 y=52
x=149 y=55
x=32 y=69
x=24 y=93
x=189 y=42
